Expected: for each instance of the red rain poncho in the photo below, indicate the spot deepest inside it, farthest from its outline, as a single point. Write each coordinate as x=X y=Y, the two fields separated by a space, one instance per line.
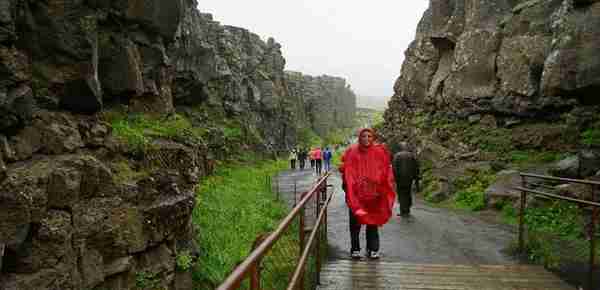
x=369 y=180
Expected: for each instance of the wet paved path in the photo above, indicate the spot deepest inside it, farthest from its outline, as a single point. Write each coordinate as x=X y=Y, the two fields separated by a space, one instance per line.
x=435 y=249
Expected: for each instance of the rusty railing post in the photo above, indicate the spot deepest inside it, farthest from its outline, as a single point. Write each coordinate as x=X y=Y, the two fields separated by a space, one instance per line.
x=593 y=222
x=319 y=235
x=255 y=276
x=255 y=270
x=301 y=236
x=277 y=186
x=522 y=217
x=295 y=193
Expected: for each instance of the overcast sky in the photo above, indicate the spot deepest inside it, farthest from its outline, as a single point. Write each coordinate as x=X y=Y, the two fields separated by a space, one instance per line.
x=362 y=41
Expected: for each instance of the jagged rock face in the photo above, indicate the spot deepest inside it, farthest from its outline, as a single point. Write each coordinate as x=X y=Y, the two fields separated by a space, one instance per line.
x=67 y=220
x=66 y=223
x=150 y=55
x=232 y=69
x=325 y=102
x=511 y=58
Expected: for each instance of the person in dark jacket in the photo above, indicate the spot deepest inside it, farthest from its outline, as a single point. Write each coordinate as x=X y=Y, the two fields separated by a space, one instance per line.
x=302 y=158
x=406 y=170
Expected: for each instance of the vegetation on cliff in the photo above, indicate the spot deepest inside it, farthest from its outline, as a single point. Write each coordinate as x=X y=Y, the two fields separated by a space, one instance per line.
x=472 y=164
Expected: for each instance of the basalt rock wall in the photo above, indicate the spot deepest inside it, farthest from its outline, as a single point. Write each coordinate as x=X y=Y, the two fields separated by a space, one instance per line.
x=73 y=214
x=324 y=102
x=513 y=60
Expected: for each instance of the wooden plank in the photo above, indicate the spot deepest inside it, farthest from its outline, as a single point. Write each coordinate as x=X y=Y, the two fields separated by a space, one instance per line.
x=347 y=274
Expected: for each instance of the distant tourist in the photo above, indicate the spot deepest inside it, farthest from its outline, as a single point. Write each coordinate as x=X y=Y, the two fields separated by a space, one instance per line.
x=406 y=170
x=312 y=160
x=367 y=180
x=317 y=156
x=327 y=155
x=293 y=157
x=302 y=158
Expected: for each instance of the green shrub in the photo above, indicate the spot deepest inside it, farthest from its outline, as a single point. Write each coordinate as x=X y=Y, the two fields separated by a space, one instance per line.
x=555 y=232
x=471 y=199
x=509 y=213
x=591 y=136
x=336 y=137
x=308 y=138
x=561 y=218
x=470 y=190
x=429 y=184
x=146 y=280
x=133 y=136
x=184 y=261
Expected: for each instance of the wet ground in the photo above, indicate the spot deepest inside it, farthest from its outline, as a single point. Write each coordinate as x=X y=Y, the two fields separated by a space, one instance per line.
x=431 y=235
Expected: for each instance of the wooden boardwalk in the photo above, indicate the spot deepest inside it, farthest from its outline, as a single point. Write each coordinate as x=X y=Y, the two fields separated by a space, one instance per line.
x=348 y=274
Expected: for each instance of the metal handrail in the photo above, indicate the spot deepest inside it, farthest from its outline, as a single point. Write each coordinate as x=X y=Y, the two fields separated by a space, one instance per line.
x=570 y=180
x=556 y=196
x=593 y=203
x=241 y=272
x=306 y=251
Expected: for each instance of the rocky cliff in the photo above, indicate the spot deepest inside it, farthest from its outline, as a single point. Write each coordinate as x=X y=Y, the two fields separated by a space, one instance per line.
x=79 y=209
x=325 y=103
x=491 y=88
x=515 y=58
x=507 y=83
x=505 y=64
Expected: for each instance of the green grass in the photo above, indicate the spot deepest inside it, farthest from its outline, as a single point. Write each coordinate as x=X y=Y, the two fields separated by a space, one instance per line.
x=470 y=190
x=591 y=136
x=226 y=137
x=138 y=130
x=233 y=207
x=520 y=158
x=556 y=233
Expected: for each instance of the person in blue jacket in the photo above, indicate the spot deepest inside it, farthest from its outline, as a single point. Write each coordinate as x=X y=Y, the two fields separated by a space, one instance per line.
x=327 y=155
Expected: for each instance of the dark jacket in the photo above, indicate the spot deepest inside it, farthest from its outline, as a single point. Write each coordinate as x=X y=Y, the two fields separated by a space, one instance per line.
x=406 y=168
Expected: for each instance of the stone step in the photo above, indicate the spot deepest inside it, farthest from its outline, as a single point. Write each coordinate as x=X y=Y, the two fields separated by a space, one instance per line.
x=348 y=274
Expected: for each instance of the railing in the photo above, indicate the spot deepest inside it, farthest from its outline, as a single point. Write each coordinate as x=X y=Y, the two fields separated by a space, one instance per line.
x=251 y=267
x=593 y=203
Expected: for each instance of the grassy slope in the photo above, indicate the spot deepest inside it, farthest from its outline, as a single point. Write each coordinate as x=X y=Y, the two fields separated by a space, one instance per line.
x=234 y=206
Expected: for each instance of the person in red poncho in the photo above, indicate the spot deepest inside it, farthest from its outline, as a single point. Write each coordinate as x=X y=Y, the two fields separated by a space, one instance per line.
x=368 y=181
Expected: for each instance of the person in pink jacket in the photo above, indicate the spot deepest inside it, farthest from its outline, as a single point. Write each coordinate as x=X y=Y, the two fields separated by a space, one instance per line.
x=317 y=156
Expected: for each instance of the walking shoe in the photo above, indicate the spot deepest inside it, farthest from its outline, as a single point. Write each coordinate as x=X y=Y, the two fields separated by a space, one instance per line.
x=355 y=255
x=374 y=255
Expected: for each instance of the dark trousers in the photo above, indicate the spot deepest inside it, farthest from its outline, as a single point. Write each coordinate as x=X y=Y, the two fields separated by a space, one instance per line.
x=293 y=163
x=404 y=198
x=372 y=235
x=302 y=163
x=318 y=166
x=312 y=163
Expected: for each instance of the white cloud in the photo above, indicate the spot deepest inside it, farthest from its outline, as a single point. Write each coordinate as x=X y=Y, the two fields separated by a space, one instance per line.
x=362 y=41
